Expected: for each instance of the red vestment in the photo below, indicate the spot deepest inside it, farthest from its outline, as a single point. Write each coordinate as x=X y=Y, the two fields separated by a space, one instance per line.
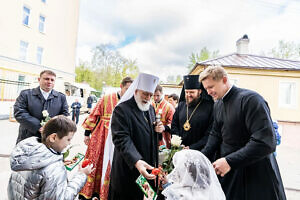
x=98 y=123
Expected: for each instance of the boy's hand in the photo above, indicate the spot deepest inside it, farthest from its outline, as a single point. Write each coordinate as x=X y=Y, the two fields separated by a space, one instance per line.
x=87 y=170
x=164 y=178
x=67 y=162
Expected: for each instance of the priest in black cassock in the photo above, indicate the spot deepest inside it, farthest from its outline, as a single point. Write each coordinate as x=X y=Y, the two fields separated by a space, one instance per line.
x=193 y=116
x=135 y=138
x=244 y=136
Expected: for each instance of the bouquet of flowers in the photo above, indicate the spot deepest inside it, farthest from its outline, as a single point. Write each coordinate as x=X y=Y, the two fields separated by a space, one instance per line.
x=166 y=155
x=46 y=117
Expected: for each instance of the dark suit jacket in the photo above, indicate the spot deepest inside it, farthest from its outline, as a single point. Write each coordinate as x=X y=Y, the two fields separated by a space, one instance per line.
x=134 y=139
x=29 y=106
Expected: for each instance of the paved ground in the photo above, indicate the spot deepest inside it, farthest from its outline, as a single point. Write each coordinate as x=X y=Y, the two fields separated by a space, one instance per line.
x=287 y=155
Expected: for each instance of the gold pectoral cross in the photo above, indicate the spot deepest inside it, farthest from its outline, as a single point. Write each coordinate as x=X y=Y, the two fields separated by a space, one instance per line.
x=187 y=125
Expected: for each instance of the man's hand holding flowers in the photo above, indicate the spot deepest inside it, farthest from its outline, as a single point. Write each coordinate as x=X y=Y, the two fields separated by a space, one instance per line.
x=46 y=118
x=159 y=127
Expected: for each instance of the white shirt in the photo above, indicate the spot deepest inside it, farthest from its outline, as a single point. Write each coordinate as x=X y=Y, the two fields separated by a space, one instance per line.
x=227 y=91
x=45 y=94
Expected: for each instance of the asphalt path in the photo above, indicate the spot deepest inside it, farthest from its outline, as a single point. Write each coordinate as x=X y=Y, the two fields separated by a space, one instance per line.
x=287 y=156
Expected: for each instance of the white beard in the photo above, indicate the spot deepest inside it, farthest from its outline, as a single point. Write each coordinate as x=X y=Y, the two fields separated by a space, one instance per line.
x=142 y=106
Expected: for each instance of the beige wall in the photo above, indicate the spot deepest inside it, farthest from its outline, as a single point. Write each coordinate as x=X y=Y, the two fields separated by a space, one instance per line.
x=266 y=83
x=58 y=41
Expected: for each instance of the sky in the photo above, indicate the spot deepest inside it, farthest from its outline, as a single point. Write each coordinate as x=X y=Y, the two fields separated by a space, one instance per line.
x=162 y=34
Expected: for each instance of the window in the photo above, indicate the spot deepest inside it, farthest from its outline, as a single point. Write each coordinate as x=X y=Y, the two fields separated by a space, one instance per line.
x=42 y=24
x=39 y=54
x=21 y=83
x=26 y=13
x=23 y=50
x=287 y=94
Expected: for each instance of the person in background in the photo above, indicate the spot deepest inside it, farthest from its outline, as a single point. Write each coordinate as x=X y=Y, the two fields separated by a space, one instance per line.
x=38 y=171
x=243 y=134
x=278 y=136
x=165 y=111
x=89 y=103
x=32 y=102
x=96 y=125
x=76 y=111
x=173 y=99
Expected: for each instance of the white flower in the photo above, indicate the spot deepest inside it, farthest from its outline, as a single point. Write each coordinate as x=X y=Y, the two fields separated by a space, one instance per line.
x=45 y=113
x=176 y=140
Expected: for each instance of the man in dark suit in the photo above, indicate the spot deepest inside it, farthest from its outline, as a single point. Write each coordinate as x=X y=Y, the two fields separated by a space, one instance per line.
x=32 y=102
x=135 y=138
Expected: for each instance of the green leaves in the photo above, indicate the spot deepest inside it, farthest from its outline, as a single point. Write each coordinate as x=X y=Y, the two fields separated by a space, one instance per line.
x=167 y=165
x=286 y=50
x=107 y=68
x=204 y=54
x=67 y=152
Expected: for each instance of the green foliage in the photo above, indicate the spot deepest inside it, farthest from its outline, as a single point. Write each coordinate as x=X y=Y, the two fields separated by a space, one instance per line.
x=67 y=152
x=204 y=54
x=167 y=164
x=83 y=73
x=178 y=78
x=174 y=79
x=171 y=79
x=107 y=68
x=130 y=69
x=286 y=50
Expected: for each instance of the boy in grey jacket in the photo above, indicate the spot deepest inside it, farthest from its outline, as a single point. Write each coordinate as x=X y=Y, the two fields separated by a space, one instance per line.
x=38 y=168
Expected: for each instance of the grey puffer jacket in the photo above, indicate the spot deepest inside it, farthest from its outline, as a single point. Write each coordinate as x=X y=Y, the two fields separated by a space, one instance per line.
x=39 y=173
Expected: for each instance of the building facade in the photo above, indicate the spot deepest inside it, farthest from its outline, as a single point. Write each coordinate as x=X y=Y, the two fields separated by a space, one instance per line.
x=36 y=35
x=277 y=80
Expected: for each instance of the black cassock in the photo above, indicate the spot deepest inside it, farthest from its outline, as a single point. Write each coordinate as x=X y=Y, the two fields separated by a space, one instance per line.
x=134 y=139
x=201 y=123
x=243 y=133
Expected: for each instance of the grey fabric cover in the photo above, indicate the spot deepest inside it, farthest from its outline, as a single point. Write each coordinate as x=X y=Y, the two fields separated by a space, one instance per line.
x=39 y=173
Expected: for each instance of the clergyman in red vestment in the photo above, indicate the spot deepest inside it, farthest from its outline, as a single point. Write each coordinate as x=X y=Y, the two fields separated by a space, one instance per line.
x=165 y=110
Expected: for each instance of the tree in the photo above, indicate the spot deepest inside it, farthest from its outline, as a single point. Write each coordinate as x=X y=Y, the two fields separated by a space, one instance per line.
x=204 y=54
x=83 y=73
x=174 y=79
x=178 y=78
x=107 y=67
x=286 y=50
x=170 y=79
x=130 y=69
